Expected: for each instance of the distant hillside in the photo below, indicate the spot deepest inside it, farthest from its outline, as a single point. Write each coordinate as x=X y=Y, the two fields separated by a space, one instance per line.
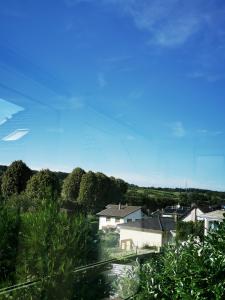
x=154 y=198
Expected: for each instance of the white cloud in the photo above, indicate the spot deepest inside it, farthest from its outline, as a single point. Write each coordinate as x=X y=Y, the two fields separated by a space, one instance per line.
x=206 y=132
x=170 y=23
x=178 y=129
x=16 y=135
x=101 y=80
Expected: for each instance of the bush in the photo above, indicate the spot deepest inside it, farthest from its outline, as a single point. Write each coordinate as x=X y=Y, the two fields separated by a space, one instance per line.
x=193 y=269
x=184 y=229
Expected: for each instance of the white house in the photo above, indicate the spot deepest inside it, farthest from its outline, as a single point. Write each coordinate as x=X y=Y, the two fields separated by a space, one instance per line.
x=118 y=214
x=194 y=213
x=212 y=219
x=155 y=231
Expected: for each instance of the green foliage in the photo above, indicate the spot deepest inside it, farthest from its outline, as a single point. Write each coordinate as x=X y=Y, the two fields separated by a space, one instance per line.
x=184 y=229
x=52 y=245
x=42 y=186
x=14 y=179
x=109 y=244
x=157 y=198
x=127 y=285
x=188 y=270
x=71 y=185
x=88 y=191
x=9 y=233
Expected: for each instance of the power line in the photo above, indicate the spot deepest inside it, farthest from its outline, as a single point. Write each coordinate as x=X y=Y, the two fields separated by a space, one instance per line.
x=27 y=284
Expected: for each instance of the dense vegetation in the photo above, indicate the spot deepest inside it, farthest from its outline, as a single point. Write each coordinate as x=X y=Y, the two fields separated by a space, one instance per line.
x=40 y=239
x=192 y=269
x=155 y=198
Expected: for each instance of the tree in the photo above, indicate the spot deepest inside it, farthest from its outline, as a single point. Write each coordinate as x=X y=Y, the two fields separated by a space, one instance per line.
x=71 y=185
x=88 y=191
x=184 y=229
x=102 y=191
x=43 y=185
x=52 y=245
x=15 y=178
x=122 y=185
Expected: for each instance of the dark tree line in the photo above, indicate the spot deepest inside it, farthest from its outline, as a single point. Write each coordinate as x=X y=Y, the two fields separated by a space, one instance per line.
x=87 y=191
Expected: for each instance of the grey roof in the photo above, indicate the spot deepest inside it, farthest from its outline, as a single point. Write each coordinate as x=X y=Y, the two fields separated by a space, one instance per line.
x=153 y=223
x=177 y=210
x=118 y=211
x=216 y=214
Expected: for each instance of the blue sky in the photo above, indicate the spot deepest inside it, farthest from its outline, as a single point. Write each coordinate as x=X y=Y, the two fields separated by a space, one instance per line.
x=132 y=88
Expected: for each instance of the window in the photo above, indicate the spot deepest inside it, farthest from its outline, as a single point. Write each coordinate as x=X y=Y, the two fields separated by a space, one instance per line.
x=129 y=220
x=108 y=219
x=117 y=220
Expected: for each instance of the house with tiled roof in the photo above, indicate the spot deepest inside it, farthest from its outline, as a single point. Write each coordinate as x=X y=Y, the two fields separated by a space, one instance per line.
x=115 y=214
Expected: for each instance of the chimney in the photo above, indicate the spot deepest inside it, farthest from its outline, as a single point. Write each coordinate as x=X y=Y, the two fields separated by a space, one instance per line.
x=175 y=217
x=119 y=206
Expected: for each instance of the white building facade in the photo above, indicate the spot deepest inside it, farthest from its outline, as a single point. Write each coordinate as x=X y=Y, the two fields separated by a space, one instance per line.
x=114 y=215
x=212 y=220
x=193 y=216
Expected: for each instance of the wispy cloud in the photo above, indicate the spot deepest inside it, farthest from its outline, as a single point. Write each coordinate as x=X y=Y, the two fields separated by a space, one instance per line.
x=206 y=132
x=16 y=135
x=70 y=103
x=178 y=129
x=205 y=76
x=101 y=80
x=170 y=23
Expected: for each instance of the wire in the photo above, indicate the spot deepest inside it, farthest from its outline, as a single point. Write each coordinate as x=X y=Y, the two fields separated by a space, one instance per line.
x=27 y=284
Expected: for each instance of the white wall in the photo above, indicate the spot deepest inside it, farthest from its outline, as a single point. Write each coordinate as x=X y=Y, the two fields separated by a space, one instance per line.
x=137 y=215
x=141 y=238
x=193 y=215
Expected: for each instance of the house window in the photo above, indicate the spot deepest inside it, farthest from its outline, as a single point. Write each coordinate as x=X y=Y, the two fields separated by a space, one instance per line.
x=108 y=219
x=213 y=225
x=117 y=220
x=129 y=220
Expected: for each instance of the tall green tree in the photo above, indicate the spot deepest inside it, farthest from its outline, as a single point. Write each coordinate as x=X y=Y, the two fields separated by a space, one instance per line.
x=14 y=179
x=88 y=191
x=71 y=185
x=42 y=186
x=102 y=191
